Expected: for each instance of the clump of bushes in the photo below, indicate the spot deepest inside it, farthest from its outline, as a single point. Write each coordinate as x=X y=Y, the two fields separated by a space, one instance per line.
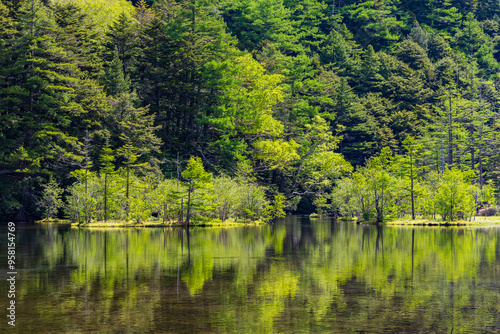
x=198 y=196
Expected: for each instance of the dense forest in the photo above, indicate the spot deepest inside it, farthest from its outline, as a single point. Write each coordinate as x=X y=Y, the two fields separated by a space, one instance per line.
x=242 y=109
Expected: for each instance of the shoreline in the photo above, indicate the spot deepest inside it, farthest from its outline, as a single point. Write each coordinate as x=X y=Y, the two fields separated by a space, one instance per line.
x=478 y=221
x=115 y=224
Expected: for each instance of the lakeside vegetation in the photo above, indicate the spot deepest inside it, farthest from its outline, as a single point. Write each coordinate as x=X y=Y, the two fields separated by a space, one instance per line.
x=125 y=110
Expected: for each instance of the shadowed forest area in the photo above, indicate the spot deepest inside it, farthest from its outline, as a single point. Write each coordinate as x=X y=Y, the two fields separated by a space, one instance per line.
x=244 y=110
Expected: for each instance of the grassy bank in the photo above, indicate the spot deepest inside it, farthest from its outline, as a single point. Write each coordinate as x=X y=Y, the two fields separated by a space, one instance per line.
x=149 y=224
x=479 y=221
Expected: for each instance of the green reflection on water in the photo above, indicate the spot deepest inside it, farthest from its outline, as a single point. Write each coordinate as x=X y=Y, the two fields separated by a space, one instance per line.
x=295 y=276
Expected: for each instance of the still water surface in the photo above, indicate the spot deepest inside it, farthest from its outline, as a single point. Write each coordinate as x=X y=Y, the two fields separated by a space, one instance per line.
x=297 y=276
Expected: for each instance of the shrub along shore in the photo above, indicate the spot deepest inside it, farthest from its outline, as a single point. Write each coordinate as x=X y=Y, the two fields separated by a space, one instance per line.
x=153 y=223
x=121 y=198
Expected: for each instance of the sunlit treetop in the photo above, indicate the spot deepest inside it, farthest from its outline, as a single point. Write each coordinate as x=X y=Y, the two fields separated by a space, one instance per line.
x=102 y=13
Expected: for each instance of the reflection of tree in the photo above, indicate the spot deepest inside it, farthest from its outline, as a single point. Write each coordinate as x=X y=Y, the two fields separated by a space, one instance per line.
x=116 y=276
x=318 y=277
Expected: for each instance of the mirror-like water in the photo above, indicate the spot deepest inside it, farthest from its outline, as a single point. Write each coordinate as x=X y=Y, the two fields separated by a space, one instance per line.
x=297 y=276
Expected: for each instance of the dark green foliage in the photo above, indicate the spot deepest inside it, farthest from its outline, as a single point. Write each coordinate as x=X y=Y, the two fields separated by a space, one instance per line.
x=374 y=22
x=414 y=55
x=438 y=48
x=80 y=41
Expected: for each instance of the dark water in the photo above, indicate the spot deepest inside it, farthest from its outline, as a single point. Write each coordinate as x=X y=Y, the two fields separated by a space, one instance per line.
x=297 y=276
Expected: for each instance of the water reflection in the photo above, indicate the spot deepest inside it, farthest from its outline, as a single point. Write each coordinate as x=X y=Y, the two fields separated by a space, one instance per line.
x=299 y=275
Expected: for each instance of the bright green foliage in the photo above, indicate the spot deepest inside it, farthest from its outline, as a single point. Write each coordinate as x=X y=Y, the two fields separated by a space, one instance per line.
x=276 y=153
x=275 y=209
x=167 y=198
x=253 y=202
x=369 y=192
x=454 y=197
x=226 y=196
x=51 y=200
x=196 y=180
x=392 y=187
x=248 y=97
x=139 y=198
x=243 y=111
x=410 y=169
x=6 y=26
x=241 y=199
x=129 y=154
x=100 y=13
x=318 y=164
x=107 y=168
x=320 y=203
x=219 y=198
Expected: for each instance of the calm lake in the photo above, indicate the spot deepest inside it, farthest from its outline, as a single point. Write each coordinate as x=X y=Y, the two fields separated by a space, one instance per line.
x=297 y=276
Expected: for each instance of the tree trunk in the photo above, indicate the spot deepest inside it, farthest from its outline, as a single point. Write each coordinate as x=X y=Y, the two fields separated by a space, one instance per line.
x=450 y=139
x=188 y=214
x=412 y=193
x=105 y=196
x=127 y=208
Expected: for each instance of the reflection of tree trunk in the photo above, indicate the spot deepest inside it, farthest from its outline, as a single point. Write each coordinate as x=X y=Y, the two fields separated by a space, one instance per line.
x=188 y=246
x=127 y=207
x=78 y=210
x=379 y=210
x=412 y=252
x=86 y=279
x=105 y=253
x=182 y=210
x=178 y=277
x=182 y=242
x=379 y=239
x=188 y=214
x=105 y=196
x=363 y=241
x=126 y=246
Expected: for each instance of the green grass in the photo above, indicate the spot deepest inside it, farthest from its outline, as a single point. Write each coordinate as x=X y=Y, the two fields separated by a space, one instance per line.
x=160 y=224
x=53 y=221
x=478 y=221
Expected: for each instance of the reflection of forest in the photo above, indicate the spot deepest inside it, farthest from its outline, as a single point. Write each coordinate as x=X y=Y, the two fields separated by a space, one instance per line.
x=316 y=276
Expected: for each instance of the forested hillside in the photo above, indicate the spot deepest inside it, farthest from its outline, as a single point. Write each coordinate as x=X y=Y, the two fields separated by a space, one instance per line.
x=368 y=108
